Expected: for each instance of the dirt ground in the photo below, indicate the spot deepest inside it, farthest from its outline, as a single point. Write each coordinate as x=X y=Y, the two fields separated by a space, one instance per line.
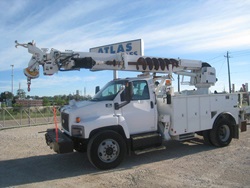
x=26 y=161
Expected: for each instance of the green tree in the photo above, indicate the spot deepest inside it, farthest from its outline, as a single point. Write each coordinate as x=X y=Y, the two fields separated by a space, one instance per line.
x=46 y=101
x=6 y=95
x=21 y=94
x=60 y=100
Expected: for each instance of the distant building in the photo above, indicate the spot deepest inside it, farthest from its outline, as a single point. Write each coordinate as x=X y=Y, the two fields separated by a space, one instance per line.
x=28 y=102
x=77 y=92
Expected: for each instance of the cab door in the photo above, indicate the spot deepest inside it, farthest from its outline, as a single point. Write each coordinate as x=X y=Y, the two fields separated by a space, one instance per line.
x=141 y=113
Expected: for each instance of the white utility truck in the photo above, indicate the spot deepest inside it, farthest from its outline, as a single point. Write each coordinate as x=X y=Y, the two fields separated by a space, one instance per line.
x=136 y=114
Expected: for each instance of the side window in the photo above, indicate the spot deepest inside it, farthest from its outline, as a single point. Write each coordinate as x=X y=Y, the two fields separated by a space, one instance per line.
x=140 y=90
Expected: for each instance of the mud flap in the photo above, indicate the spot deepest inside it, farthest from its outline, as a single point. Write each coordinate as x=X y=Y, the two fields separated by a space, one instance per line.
x=64 y=144
x=243 y=126
x=236 y=131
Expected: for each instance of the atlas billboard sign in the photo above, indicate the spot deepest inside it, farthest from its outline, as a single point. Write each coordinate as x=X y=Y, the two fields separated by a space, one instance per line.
x=132 y=47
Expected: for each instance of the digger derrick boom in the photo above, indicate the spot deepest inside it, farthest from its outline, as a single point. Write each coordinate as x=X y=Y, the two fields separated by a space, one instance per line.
x=202 y=74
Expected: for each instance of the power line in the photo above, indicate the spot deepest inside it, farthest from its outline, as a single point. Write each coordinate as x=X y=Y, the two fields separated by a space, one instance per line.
x=238 y=72
x=220 y=60
x=239 y=51
x=214 y=58
x=242 y=54
x=221 y=67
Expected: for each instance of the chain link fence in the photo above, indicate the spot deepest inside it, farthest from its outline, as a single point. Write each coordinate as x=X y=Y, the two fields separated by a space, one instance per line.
x=12 y=117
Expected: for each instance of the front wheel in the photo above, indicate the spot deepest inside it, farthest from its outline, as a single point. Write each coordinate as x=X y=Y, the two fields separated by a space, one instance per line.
x=221 y=134
x=106 y=150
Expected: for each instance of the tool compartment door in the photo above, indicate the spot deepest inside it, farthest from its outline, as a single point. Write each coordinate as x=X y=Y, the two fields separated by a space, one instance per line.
x=193 y=113
x=179 y=116
x=190 y=114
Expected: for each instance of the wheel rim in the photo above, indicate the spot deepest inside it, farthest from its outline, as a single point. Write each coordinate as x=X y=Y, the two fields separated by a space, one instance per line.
x=108 y=150
x=224 y=133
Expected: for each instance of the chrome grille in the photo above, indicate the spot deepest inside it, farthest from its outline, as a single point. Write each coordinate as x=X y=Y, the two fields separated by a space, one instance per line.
x=65 y=121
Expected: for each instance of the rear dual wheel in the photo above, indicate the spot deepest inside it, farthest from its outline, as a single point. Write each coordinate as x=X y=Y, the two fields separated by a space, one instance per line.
x=220 y=135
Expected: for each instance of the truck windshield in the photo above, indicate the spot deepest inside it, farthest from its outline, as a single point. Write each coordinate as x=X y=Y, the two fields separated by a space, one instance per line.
x=110 y=90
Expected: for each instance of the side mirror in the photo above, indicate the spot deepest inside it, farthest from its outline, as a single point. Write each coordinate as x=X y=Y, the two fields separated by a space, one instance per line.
x=128 y=91
x=126 y=96
x=97 y=89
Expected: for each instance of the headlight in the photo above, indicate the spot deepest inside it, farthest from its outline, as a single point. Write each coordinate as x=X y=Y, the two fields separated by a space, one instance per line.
x=77 y=131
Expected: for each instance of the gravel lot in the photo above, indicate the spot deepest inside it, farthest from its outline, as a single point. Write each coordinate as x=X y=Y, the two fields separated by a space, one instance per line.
x=26 y=161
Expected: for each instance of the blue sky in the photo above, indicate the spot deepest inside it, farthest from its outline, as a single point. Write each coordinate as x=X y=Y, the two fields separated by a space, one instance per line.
x=188 y=29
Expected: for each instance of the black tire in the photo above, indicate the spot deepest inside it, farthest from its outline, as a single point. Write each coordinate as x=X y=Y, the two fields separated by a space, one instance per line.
x=106 y=150
x=206 y=137
x=221 y=134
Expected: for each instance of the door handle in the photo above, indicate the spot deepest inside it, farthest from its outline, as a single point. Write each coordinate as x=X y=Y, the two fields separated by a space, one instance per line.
x=152 y=104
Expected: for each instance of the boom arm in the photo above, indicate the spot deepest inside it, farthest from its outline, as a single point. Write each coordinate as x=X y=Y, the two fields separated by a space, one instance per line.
x=202 y=75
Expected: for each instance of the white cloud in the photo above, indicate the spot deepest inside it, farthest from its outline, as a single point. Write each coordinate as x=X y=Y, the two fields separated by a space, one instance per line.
x=59 y=81
x=5 y=85
x=201 y=27
x=202 y=35
x=183 y=27
x=50 y=85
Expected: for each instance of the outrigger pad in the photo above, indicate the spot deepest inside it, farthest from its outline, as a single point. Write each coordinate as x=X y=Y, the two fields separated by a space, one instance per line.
x=64 y=144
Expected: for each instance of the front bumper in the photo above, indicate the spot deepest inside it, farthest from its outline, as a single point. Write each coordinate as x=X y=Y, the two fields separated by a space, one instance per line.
x=64 y=144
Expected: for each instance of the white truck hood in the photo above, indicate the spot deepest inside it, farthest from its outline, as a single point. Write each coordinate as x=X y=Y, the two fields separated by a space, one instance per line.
x=87 y=109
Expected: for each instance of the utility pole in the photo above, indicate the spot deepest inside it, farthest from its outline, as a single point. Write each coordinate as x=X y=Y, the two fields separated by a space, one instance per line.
x=229 y=80
x=12 y=75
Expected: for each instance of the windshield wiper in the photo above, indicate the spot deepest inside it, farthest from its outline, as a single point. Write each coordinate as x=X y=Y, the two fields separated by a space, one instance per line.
x=95 y=99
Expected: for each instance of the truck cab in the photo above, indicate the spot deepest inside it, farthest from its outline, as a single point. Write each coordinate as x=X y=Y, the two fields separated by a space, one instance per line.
x=124 y=106
x=136 y=113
